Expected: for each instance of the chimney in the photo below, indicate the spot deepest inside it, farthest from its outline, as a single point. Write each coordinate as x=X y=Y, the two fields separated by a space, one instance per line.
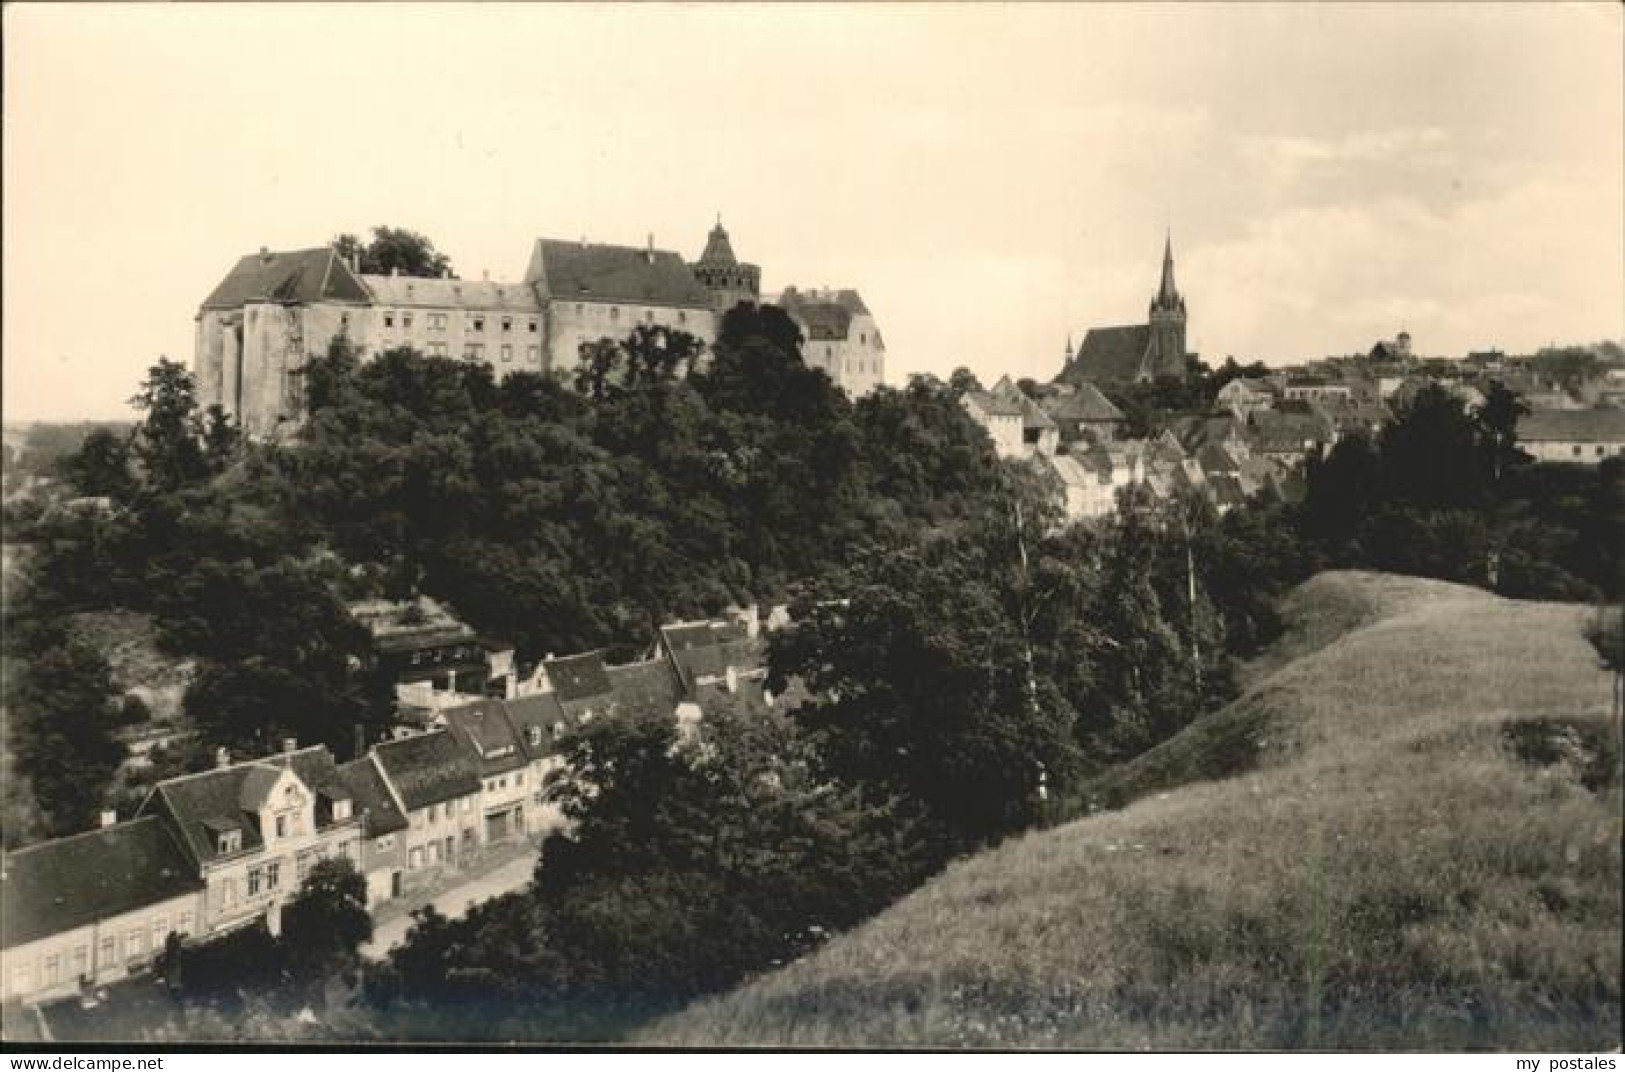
x=649 y=254
x=485 y=275
x=222 y=757
x=265 y=255
x=394 y=270
x=109 y=817
x=290 y=744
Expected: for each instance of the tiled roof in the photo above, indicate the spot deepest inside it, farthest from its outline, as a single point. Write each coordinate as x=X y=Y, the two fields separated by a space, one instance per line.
x=993 y=405
x=206 y=803
x=540 y=711
x=302 y=275
x=1084 y=404
x=372 y=798
x=578 y=677
x=580 y=271
x=315 y=767
x=408 y=291
x=707 y=649
x=826 y=316
x=1573 y=425
x=645 y=688
x=719 y=252
x=484 y=728
x=1109 y=355
x=66 y=883
x=428 y=768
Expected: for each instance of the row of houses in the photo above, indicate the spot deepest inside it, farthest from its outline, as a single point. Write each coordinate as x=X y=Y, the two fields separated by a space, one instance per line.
x=1077 y=434
x=209 y=852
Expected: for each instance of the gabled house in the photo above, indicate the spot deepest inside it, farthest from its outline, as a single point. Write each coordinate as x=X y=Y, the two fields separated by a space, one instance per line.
x=383 y=821
x=484 y=729
x=433 y=658
x=1083 y=412
x=1018 y=426
x=436 y=782
x=253 y=830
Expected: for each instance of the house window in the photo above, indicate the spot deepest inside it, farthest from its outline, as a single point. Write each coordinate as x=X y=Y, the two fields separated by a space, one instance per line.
x=81 y=962
x=507 y=352
x=385 y=843
x=1601 y=451
x=389 y=319
x=479 y=323
x=682 y=318
x=533 y=353
x=507 y=324
x=273 y=874
x=437 y=349
x=20 y=979
x=414 y=859
x=229 y=841
x=1576 y=450
x=437 y=321
x=281 y=826
x=417 y=820
x=53 y=969
x=468 y=805
x=474 y=351
x=536 y=736
x=256 y=877
x=614 y=312
x=406 y=320
x=341 y=809
x=532 y=325
x=109 y=951
x=135 y=944
x=519 y=780
x=183 y=924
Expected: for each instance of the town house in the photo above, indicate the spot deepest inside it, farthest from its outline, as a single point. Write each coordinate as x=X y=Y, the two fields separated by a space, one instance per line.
x=436 y=783
x=252 y=831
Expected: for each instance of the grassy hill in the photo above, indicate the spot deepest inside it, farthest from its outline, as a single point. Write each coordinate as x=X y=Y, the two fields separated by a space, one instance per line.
x=1416 y=845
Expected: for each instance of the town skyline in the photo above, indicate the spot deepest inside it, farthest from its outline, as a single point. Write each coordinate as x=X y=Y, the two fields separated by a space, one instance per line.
x=1330 y=177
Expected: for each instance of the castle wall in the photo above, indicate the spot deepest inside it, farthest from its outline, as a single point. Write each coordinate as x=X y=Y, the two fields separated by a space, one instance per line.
x=857 y=363
x=572 y=323
x=507 y=340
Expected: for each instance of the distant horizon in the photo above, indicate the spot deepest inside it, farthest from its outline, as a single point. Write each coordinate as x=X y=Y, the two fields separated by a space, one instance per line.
x=994 y=180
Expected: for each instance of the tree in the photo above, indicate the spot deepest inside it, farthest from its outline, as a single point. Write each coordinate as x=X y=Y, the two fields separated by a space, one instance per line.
x=326 y=923
x=1498 y=428
x=167 y=442
x=394 y=250
x=101 y=466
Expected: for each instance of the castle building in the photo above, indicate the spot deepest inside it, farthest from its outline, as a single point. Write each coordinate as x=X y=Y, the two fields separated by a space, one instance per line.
x=839 y=336
x=1136 y=353
x=719 y=271
x=274 y=309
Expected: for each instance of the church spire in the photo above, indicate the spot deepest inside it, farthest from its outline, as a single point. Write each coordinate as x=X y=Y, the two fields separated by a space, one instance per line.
x=1168 y=294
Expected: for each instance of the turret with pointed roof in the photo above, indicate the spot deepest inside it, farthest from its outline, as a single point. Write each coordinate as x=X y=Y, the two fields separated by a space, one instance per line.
x=728 y=279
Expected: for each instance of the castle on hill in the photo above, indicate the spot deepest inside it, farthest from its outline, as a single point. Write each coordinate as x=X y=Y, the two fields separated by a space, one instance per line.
x=276 y=308
x=1135 y=353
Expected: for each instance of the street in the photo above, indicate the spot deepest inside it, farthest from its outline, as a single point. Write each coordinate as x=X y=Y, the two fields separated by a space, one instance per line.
x=453 y=902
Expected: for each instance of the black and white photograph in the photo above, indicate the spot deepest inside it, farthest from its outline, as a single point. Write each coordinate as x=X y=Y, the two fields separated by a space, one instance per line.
x=780 y=527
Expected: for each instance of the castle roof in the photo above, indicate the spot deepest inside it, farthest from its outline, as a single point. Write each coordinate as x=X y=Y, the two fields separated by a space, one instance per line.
x=292 y=277
x=583 y=271
x=719 y=252
x=409 y=291
x=68 y=882
x=826 y=316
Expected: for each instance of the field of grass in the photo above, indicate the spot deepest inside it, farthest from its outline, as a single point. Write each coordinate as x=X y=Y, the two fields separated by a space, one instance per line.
x=1416 y=845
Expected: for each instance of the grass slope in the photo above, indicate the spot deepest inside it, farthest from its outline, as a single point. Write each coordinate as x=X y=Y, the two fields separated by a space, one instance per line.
x=1423 y=853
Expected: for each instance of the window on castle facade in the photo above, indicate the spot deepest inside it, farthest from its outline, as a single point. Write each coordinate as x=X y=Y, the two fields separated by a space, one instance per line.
x=389 y=319
x=533 y=353
x=437 y=349
x=437 y=321
x=507 y=324
x=532 y=325
x=479 y=323
x=507 y=352
x=406 y=320
x=474 y=351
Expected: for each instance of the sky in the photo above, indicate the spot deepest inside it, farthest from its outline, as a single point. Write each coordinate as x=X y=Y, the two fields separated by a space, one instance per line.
x=993 y=178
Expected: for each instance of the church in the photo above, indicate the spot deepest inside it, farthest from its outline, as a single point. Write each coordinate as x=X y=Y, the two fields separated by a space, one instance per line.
x=1135 y=353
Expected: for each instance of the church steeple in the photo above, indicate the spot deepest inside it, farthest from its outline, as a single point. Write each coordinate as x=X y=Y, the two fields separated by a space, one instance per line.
x=1167 y=293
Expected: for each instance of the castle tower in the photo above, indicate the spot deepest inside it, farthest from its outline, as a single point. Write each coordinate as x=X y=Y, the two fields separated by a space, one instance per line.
x=1167 y=349
x=729 y=281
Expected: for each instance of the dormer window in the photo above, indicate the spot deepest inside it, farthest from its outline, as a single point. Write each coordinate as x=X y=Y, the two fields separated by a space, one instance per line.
x=535 y=734
x=229 y=841
x=341 y=809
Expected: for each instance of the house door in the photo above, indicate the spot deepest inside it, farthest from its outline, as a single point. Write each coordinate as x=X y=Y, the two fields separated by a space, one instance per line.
x=496 y=826
x=394 y=883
